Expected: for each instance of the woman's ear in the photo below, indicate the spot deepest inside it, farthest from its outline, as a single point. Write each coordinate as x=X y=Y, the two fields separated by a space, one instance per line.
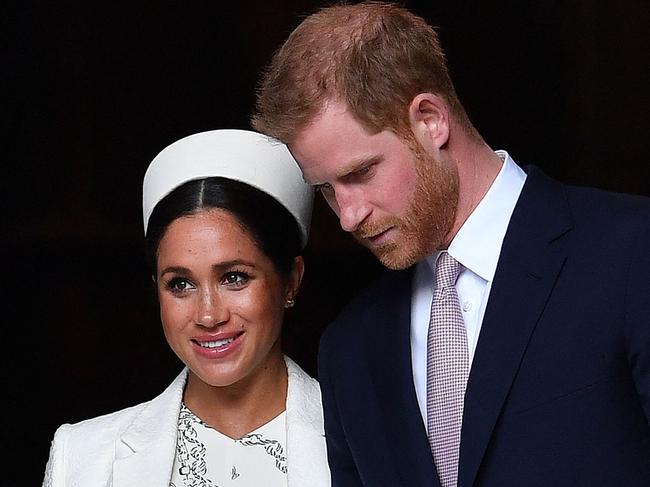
x=429 y=119
x=295 y=279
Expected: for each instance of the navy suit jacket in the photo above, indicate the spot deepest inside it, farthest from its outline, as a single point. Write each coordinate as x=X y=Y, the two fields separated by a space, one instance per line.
x=559 y=389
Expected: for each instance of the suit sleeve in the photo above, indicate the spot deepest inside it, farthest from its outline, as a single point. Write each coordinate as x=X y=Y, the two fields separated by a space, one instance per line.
x=54 y=470
x=638 y=317
x=342 y=466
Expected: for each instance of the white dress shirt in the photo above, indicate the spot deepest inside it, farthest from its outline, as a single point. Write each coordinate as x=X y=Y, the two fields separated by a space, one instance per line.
x=476 y=247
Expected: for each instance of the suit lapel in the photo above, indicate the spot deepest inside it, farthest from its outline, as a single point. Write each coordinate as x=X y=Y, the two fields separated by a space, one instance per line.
x=389 y=355
x=145 y=451
x=306 y=451
x=532 y=257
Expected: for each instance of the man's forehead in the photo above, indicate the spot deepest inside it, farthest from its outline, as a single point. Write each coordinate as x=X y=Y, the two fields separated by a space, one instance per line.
x=333 y=127
x=324 y=117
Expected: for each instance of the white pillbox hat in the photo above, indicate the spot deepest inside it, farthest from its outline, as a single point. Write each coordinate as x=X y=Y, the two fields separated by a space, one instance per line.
x=241 y=155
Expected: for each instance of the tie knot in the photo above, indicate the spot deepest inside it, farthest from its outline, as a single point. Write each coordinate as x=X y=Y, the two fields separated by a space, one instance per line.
x=447 y=270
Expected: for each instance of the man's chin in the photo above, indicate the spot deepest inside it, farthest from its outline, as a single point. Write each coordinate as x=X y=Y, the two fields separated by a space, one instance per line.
x=399 y=250
x=396 y=258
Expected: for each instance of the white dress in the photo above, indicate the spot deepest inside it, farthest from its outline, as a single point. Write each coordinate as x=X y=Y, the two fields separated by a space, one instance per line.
x=206 y=457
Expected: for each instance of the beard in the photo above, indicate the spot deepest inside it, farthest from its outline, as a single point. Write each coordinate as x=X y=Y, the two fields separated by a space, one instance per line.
x=429 y=218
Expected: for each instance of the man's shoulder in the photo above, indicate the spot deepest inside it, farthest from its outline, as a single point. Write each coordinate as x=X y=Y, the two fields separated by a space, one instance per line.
x=594 y=201
x=591 y=213
x=591 y=200
x=601 y=216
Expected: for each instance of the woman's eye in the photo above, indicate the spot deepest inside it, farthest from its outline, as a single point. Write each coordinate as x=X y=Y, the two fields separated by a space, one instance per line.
x=235 y=279
x=179 y=285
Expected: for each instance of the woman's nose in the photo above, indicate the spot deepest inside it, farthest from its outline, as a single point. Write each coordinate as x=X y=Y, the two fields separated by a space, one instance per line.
x=211 y=310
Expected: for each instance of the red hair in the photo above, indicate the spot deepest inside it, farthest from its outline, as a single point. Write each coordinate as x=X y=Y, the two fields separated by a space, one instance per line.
x=375 y=57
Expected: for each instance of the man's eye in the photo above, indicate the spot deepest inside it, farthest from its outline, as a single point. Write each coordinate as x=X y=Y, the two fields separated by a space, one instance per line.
x=365 y=171
x=236 y=279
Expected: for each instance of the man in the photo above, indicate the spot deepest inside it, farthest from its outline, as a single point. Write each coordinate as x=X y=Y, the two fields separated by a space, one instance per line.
x=511 y=346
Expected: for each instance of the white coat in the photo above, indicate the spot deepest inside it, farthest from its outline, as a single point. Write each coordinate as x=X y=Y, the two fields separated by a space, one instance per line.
x=136 y=446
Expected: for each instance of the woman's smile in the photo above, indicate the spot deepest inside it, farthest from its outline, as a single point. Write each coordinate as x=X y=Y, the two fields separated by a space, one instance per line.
x=216 y=347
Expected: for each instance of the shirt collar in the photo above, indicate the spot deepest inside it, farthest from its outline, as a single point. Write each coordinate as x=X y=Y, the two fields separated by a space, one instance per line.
x=477 y=244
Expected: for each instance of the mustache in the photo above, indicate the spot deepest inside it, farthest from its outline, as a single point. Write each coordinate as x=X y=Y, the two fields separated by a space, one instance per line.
x=372 y=228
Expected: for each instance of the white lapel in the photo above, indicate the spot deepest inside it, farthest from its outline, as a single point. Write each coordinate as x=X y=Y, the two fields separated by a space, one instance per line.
x=306 y=450
x=144 y=453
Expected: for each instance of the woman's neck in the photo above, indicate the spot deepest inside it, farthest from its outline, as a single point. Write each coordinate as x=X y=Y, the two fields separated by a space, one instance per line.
x=240 y=408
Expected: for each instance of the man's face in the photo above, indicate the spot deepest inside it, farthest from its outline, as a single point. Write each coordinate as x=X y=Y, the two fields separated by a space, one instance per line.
x=390 y=194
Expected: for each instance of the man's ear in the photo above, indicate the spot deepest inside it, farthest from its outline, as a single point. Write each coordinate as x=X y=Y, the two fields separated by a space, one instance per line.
x=429 y=119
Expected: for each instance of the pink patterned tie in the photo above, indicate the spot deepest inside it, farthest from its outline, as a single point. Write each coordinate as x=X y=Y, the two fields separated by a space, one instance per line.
x=447 y=371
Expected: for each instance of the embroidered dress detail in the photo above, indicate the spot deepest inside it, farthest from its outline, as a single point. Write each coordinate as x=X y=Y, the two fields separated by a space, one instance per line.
x=207 y=458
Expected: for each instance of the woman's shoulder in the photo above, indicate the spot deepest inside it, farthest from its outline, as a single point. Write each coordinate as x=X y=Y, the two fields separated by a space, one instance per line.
x=106 y=423
x=114 y=422
x=87 y=448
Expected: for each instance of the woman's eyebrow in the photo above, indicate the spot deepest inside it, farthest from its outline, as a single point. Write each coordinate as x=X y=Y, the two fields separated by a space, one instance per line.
x=174 y=270
x=232 y=263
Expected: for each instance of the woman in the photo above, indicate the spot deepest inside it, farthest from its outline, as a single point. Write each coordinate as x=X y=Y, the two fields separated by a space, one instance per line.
x=226 y=215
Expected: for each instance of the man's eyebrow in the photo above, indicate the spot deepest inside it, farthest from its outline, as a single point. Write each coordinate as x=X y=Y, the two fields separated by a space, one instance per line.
x=349 y=168
x=359 y=163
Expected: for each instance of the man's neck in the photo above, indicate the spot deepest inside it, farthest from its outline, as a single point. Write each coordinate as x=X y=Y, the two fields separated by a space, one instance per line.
x=478 y=167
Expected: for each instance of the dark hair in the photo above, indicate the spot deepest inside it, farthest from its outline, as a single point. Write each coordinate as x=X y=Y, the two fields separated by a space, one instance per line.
x=272 y=227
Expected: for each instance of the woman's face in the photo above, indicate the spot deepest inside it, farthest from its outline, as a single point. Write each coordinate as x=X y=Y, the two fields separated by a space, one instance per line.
x=221 y=299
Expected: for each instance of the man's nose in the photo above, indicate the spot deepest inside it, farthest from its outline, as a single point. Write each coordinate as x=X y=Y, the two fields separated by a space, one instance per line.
x=352 y=209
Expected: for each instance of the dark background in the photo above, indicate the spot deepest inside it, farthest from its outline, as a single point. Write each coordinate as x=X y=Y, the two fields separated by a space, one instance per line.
x=93 y=91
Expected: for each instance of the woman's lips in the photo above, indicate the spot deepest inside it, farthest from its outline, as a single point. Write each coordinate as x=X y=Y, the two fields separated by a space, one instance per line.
x=217 y=346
